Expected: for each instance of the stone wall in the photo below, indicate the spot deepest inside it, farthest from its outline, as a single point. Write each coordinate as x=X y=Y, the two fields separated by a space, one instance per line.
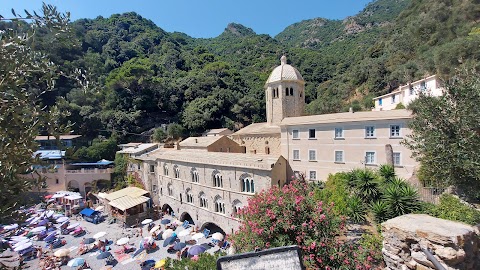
x=455 y=245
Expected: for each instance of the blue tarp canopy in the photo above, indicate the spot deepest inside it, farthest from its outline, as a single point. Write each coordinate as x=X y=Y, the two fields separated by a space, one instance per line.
x=102 y=162
x=88 y=212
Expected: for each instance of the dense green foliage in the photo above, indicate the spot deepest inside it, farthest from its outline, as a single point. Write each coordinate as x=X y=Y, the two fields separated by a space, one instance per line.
x=100 y=149
x=451 y=208
x=205 y=261
x=445 y=137
x=25 y=76
x=140 y=77
x=360 y=191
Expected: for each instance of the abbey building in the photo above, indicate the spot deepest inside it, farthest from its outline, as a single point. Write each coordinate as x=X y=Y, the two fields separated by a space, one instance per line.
x=205 y=180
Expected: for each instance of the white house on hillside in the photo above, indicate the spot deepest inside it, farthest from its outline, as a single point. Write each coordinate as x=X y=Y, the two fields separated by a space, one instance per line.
x=409 y=92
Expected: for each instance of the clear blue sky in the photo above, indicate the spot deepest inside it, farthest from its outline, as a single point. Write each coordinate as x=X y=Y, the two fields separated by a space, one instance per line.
x=207 y=18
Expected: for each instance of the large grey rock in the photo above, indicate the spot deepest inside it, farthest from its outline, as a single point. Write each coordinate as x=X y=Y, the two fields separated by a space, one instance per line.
x=454 y=244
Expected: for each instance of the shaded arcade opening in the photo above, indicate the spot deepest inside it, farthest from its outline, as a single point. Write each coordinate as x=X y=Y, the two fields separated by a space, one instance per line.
x=167 y=209
x=212 y=227
x=186 y=216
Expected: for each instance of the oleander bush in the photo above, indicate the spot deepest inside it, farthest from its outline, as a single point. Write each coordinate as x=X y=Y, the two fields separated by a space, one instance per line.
x=292 y=215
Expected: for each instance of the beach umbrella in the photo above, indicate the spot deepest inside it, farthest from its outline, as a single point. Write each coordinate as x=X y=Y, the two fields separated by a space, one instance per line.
x=76 y=262
x=72 y=226
x=60 y=225
x=38 y=229
x=169 y=240
x=137 y=252
x=99 y=235
x=35 y=220
x=10 y=227
x=104 y=255
x=198 y=236
x=148 y=264
x=49 y=213
x=185 y=232
x=62 y=219
x=154 y=229
x=160 y=263
x=100 y=208
x=196 y=250
x=123 y=241
x=43 y=222
x=217 y=236
x=61 y=253
x=167 y=233
x=147 y=221
x=50 y=236
x=179 y=246
x=165 y=221
x=89 y=241
x=23 y=242
x=23 y=246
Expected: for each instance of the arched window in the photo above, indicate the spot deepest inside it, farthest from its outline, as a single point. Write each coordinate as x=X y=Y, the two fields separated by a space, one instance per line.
x=237 y=205
x=247 y=183
x=203 y=200
x=176 y=171
x=165 y=169
x=194 y=174
x=287 y=93
x=219 y=205
x=267 y=150
x=291 y=91
x=217 y=179
x=189 y=195
x=170 y=189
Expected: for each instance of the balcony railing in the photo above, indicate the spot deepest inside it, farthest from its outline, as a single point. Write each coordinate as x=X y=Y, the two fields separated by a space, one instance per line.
x=90 y=171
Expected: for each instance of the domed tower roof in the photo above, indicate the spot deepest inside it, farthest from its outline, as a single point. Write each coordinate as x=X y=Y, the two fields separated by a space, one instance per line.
x=284 y=72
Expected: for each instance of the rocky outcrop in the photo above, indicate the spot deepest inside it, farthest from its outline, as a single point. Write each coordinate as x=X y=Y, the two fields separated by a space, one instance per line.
x=455 y=245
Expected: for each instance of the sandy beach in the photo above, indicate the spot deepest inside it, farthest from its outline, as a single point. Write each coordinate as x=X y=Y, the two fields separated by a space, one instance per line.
x=113 y=233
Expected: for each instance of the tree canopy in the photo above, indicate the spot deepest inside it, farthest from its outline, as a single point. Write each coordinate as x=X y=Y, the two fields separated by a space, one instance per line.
x=445 y=135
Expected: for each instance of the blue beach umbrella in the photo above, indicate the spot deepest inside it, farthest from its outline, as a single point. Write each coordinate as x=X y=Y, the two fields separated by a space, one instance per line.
x=76 y=262
x=197 y=249
x=165 y=221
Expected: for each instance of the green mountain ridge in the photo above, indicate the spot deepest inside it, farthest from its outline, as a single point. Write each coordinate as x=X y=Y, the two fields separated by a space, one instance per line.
x=141 y=76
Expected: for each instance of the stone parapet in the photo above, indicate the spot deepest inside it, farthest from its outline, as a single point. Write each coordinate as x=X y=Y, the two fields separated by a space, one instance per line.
x=455 y=245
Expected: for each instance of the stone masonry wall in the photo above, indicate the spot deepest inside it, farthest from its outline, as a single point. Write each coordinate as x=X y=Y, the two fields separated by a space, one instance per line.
x=455 y=245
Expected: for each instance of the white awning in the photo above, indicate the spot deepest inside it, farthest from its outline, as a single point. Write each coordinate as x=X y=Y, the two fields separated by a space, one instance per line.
x=73 y=197
x=58 y=195
x=102 y=195
x=127 y=202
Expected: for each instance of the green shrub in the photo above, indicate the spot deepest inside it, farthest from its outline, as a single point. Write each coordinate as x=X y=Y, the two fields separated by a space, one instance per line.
x=356 y=210
x=386 y=172
x=400 y=198
x=372 y=242
x=380 y=211
x=451 y=208
x=366 y=185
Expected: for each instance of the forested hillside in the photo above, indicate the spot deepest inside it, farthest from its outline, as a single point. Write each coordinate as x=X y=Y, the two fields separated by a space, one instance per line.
x=140 y=77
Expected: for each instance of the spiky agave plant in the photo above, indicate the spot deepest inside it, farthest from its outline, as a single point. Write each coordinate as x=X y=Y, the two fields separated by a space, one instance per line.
x=387 y=172
x=401 y=199
x=380 y=211
x=366 y=185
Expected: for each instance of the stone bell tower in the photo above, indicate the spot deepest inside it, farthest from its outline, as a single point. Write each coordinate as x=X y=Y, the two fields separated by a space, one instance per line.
x=284 y=93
